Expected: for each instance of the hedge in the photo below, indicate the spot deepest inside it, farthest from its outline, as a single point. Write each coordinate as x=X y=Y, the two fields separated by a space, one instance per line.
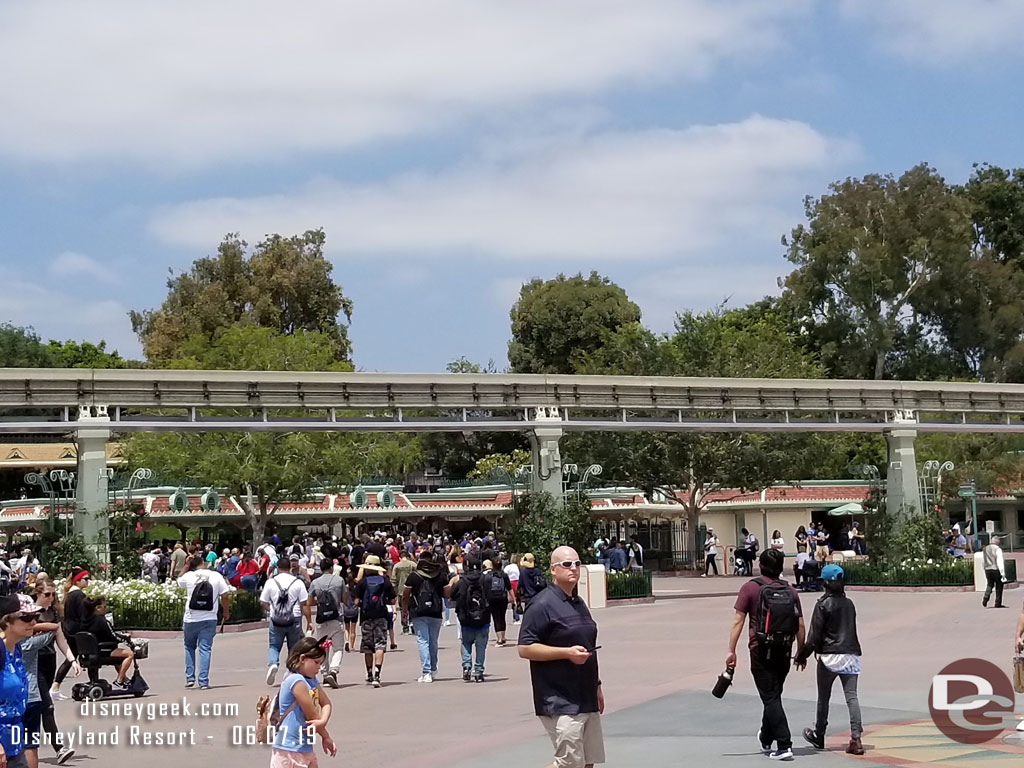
x=626 y=585
x=942 y=572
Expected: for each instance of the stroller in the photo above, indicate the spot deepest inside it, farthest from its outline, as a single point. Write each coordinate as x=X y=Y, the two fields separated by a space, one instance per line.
x=92 y=655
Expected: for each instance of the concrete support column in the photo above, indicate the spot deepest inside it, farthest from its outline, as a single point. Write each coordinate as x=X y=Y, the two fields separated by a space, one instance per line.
x=91 y=500
x=547 y=459
x=902 y=489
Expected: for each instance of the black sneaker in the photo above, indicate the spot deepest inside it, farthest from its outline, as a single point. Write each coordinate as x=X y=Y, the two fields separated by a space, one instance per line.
x=369 y=678
x=123 y=685
x=811 y=737
x=478 y=678
x=766 y=748
x=466 y=675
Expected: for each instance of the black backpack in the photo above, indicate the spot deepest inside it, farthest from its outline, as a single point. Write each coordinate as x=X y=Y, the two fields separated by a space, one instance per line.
x=202 y=596
x=5 y=583
x=475 y=605
x=498 y=590
x=281 y=613
x=537 y=580
x=777 y=616
x=374 y=604
x=427 y=600
x=327 y=608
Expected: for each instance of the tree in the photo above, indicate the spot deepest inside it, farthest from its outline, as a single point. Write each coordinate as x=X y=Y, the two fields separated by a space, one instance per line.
x=540 y=524
x=500 y=464
x=284 y=284
x=557 y=322
x=73 y=354
x=21 y=348
x=264 y=469
x=865 y=261
x=744 y=342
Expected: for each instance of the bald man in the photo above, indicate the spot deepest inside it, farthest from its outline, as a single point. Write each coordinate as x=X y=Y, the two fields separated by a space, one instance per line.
x=559 y=638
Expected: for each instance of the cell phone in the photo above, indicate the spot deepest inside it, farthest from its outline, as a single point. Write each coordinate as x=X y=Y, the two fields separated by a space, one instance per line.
x=596 y=648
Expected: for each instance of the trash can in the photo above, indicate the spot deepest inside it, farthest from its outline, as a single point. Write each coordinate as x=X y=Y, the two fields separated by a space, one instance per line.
x=593 y=586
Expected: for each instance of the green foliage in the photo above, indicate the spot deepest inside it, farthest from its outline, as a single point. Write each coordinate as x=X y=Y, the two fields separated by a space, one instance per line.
x=629 y=584
x=498 y=465
x=540 y=524
x=555 y=323
x=944 y=571
x=165 y=613
x=21 y=348
x=866 y=265
x=124 y=540
x=61 y=554
x=73 y=354
x=894 y=538
x=283 y=284
x=275 y=467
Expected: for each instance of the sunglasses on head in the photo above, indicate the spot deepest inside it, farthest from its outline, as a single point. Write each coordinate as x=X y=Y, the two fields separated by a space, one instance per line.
x=570 y=563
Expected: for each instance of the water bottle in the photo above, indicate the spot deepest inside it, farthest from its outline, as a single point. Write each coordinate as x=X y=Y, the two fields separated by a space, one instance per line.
x=724 y=681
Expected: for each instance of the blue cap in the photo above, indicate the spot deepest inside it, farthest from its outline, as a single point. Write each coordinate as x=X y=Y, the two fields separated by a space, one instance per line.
x=832 y=572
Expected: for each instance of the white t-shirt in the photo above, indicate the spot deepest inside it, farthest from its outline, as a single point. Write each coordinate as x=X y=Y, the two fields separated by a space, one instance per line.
x=217 y=582
x=710 y=543
x=779 y=543
x=296 y=591
x=513 y=571
x=801 y=558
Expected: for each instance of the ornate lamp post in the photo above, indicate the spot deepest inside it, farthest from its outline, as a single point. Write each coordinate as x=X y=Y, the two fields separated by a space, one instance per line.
x=50 y=483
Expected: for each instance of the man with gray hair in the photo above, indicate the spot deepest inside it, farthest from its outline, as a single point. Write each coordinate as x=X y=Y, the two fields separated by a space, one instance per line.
x=559 y=637
x=995 y=572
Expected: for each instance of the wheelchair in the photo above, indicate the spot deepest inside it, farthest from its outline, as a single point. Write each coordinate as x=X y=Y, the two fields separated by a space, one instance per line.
x=92 y=656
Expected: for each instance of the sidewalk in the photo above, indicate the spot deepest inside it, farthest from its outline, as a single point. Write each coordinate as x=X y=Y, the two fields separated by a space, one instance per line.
x=675 y=587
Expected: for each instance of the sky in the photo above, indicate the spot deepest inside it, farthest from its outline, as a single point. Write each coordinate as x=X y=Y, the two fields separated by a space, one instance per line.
x=453 y=150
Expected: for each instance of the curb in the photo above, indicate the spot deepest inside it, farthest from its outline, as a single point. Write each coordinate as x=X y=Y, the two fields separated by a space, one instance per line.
x=631 y=601
x=694 y=595
x=964 y=588
x=153 y=634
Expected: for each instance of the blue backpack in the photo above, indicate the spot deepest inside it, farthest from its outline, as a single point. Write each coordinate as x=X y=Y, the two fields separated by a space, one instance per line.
x=374 y=603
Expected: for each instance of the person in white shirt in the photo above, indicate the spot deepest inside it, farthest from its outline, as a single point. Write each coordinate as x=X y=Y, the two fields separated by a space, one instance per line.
x=200 y=622
x=635 y=553
x=284 y=600
x=512 y=569
x=710 y=552
x=995 y=572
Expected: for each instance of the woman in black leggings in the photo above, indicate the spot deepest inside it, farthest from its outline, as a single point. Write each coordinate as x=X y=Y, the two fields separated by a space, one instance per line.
x=499 y=605
x=45 y=594
x=73 y=616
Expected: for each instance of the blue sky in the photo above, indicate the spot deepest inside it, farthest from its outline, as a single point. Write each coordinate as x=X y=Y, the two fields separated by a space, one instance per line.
x=452 y=150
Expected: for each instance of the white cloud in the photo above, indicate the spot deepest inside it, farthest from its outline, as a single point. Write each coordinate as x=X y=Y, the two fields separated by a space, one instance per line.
x=944 y=31
x=56 y=313
x=610 y=196
x=193 y=83
x=72 y=264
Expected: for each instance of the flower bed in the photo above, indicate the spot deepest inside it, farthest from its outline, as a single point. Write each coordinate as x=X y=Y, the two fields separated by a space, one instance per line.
x=940 y=572
x=140 y=604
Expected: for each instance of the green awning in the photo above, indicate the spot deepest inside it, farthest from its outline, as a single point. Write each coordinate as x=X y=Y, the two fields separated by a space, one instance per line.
x=847 y=510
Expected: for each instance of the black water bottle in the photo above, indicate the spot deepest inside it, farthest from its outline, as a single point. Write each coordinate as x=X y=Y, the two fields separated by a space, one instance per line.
x=724 y=681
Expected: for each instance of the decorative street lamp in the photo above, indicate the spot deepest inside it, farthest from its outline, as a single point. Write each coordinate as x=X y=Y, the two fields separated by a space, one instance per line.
x=65 y=483
x=568 y=470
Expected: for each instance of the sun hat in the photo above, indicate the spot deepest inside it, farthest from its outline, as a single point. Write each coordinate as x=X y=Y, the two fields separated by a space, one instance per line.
x=832 y=572
x=372 y=563
x=527 y=560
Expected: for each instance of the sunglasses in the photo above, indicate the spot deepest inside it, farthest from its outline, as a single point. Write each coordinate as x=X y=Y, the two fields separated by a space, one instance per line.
x=30 y=619
x=47 y=594
x=569 y=563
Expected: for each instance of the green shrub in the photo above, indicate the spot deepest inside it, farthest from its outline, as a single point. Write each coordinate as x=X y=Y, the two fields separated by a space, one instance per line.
x=944 y=571
x=60 y=555
x=629 y=584
x=539 y=524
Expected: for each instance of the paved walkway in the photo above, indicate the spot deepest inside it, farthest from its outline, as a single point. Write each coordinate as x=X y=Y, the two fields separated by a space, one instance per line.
x=658 y=664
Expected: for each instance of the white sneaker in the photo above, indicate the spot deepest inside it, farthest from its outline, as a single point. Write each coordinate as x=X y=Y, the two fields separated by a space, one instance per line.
x=58 y=696
x=425 y=679
x=781 y=754
x=271 y=674
x=65 y=754
x=447 y=623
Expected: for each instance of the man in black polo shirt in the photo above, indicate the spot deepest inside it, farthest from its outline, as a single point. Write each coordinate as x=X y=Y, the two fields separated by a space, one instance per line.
x=559 y=637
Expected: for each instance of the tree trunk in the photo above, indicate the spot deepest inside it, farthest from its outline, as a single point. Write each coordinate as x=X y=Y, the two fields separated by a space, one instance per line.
x=879 y=365
x=258 y=525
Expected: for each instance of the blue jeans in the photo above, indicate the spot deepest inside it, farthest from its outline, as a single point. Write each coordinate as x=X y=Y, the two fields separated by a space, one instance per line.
x=199 y=634
x=427 y=629
x=447 y=609
x=477 y=637
x=278 y=635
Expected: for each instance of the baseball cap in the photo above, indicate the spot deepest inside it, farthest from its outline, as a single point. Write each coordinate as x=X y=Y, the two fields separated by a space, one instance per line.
x=296 y=558
x=832 y=572
x=27 y=605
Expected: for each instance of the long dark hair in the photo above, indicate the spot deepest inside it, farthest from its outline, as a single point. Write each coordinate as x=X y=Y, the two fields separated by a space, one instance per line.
x=307 y=646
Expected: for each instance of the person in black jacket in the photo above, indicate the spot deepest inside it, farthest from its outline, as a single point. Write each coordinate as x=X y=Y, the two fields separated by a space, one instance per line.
x=833 y=637
x=95 y=622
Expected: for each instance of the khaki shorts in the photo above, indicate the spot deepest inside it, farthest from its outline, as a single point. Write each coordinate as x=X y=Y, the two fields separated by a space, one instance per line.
x=578 y=739
x=821 y=553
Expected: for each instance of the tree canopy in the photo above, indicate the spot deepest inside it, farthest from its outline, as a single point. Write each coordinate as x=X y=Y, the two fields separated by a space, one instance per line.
x=283 y=284
x=556 y=322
